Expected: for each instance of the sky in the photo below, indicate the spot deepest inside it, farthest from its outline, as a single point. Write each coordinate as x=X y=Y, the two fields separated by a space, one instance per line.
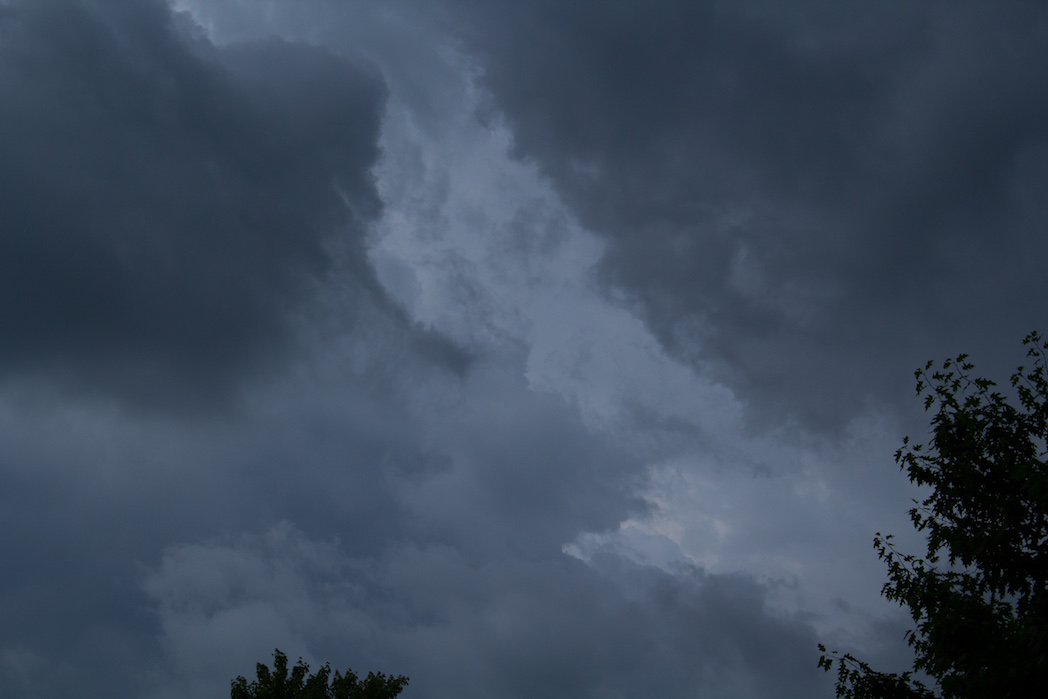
x=532 y=348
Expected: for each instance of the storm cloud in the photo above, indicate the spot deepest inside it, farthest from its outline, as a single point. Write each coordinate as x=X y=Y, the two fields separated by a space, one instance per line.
x=789 y=193
x=511 y=628
x=522 y=348
x=166 y=203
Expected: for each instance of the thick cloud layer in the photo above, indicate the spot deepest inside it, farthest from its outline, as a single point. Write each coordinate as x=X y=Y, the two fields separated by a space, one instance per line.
x=96 y=495
x=498 y=289
x=814 y=197
x=501 y=628
x=165 y=202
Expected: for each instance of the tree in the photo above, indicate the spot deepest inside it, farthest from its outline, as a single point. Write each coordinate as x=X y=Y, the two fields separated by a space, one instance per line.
x=300 y=684
x=978 y=597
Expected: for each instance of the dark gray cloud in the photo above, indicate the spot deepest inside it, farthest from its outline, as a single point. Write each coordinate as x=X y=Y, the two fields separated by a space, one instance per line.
x=91 y=494
x=503 y=627
x=427 y=533
x=816 y=197
x=188 y=205
x=166 y=202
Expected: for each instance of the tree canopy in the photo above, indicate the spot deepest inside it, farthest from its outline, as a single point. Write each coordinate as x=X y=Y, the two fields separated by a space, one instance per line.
x=978 y=596
x=298 y=683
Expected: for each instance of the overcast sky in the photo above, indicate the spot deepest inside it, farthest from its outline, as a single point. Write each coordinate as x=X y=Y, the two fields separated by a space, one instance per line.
x=534 y=348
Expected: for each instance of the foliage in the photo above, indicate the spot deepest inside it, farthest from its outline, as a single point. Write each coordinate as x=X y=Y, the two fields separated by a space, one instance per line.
x=978 y=598
x=300 y=684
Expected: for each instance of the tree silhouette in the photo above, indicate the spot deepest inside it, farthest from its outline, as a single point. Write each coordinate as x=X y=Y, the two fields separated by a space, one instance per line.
x=300 y=684
x=978 y=597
